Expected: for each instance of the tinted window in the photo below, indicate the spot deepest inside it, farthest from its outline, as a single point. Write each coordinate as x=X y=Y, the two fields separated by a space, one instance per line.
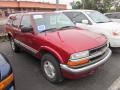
x=115 y=15
x=109 y=15
x=26 y=22
x=76 y=17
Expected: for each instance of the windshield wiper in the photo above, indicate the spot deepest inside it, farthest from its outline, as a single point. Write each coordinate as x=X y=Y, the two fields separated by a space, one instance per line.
x=110 y=21
x=58 y=28
x=100 y=22
x=104 y=22
x=49 y=29
x=67 y=27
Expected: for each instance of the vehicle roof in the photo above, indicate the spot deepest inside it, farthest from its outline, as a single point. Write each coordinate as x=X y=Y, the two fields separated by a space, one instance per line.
x=30 y=13
x=112 y=13
x=75 y=10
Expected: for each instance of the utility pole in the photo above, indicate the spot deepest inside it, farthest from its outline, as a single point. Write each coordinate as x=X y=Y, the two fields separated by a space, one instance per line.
x=57 y=4
x=83 y=4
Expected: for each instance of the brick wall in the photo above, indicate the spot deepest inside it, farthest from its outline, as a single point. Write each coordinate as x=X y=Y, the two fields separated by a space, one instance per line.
x=23 y=4
x=8 y=7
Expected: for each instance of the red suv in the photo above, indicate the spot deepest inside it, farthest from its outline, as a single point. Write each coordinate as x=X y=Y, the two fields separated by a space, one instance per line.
x=63 y=49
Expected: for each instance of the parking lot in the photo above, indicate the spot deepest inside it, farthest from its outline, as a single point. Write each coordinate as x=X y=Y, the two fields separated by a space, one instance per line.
x=28 y=76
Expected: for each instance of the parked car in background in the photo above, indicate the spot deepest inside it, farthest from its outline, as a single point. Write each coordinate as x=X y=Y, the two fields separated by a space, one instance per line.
x=96 y=22
x=6 y=74
x=115 y=16
x=63 y=49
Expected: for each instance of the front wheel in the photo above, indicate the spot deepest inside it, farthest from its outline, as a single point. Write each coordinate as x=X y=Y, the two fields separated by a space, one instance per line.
x=50 y=69
x=14 y=47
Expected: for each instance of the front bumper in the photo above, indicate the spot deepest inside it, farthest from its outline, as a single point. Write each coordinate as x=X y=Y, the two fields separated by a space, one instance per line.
x=6 y=82
x=85 y=69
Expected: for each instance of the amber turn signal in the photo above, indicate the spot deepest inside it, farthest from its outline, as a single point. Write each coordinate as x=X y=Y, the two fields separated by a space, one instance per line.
x=6 y=82
x=76 y=63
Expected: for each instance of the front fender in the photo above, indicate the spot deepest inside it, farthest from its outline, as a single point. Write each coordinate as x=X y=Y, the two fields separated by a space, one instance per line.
x=53 y=52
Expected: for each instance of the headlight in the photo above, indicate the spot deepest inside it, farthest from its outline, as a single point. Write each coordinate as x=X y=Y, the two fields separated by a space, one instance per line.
x=79 y=55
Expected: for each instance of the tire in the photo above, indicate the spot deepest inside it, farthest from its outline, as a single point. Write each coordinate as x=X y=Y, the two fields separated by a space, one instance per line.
x=51 y=69
x=14 y=47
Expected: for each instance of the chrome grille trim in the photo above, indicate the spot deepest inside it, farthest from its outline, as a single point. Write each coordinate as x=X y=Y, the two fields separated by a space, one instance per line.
x=99 y=52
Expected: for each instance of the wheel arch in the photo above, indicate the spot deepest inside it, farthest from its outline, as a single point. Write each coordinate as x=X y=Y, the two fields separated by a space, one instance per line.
x=46 y=49
x=10 y=35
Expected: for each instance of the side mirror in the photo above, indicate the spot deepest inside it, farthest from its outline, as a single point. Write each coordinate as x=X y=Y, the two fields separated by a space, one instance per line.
x=85 y=21
x=26 y=29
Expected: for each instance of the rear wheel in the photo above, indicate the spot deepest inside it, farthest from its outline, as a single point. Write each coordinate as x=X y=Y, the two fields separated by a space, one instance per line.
x=50 y=69
x=14 y=47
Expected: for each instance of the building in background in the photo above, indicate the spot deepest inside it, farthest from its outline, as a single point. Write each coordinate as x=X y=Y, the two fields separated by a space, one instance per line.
x=12 y=6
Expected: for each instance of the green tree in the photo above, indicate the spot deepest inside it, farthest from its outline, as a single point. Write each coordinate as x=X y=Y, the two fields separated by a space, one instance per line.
x=77 y=5
x=107 y=4
x=85 y=4
x=94 y=4
x=89 y=4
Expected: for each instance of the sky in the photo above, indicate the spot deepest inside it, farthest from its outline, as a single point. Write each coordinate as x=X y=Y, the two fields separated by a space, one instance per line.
x=67 y=2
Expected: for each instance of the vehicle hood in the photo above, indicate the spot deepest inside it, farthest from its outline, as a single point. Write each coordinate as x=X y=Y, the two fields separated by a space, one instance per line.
x=75 y=40
x=110 y=26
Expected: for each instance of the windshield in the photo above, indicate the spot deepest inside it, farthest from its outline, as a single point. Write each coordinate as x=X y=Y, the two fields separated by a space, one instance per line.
x=97 y=17
x=51 y=21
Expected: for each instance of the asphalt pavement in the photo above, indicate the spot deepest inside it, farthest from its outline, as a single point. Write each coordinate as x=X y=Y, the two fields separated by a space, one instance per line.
x=28 y=75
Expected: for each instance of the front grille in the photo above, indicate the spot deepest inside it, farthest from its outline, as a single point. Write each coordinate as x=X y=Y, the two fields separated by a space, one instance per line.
x=96 y=54
x=94 y=59
x=97 y=58
x=99 y=49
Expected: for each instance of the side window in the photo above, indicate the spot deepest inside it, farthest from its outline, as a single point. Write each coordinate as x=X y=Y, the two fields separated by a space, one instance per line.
x=117 y=16
x=16 y=22
x=109 y=15
x=114 y=16
x=76 y=17
x=69 y=15
x=26 y=22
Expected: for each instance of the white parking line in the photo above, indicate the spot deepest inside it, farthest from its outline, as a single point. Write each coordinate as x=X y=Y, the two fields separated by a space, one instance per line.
x=115 y=85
